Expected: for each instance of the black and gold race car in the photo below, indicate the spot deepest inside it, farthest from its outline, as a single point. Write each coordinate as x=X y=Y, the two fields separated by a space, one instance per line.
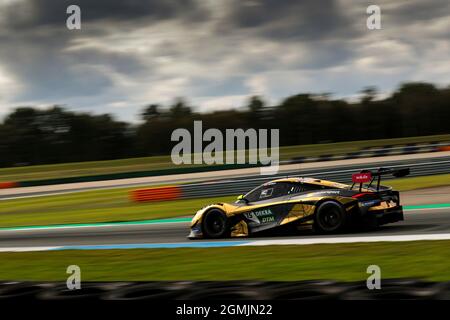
x=325 y=206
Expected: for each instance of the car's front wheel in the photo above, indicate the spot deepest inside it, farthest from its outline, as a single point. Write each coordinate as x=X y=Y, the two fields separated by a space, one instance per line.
x=330 y=217
x=215 y=224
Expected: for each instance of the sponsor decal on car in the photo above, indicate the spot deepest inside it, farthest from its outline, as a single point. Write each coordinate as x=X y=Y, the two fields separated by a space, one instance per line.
x=260 y=216
x=324 y=193
x=369 y=203
x=361 y=177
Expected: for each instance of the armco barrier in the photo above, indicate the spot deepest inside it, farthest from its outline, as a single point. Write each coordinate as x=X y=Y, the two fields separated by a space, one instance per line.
x=363 y=153
x=156 y=194
x=237 y=186
x=135 y=174
x=241 y=185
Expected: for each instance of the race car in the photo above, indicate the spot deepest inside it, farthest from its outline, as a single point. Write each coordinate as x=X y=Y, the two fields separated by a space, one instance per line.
x=324 y=206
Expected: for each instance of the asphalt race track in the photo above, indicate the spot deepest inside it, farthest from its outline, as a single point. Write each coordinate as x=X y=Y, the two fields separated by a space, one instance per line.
x=417 y=222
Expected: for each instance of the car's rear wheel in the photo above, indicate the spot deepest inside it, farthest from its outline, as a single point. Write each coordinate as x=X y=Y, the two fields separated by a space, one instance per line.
x=330 y=217
x=215 y=224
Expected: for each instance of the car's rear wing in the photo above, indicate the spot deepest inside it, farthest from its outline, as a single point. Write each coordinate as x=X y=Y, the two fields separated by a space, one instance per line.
x=369 y=176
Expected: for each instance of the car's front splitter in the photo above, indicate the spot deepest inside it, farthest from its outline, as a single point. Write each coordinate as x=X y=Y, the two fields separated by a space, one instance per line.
x=196 y=232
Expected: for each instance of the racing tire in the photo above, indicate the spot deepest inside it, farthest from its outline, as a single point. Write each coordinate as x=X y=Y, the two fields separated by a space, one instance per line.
x=215 y=224
x=330 y=217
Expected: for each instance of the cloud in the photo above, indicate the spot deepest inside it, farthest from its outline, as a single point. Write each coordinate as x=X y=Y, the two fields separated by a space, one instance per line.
x=412 y=11
x=213 y=52
x=38 y=44
x=290 y=19
x=32 y=14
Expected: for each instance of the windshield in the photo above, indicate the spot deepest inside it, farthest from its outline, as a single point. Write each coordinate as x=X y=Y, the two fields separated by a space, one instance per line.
x=272 y=190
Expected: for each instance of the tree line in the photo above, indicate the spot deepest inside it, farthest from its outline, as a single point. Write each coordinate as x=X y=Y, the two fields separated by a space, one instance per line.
x=30 y=136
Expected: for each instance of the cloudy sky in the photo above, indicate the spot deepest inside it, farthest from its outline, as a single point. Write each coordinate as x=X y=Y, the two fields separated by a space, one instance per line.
x=215 y=53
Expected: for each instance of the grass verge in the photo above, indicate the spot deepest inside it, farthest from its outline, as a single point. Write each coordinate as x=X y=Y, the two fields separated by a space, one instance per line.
x=114 y=205
x=93 y=206
x=346 y=262
x=79 y=169
x=414 y=183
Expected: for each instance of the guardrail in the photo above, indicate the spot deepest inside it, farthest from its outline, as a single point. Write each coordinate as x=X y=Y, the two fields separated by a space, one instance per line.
x=236 y=186
x=363 y=153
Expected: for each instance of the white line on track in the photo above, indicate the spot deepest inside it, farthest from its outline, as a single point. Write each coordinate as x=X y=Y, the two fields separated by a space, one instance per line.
x=303 y=241
x=392 y=238
x=27 y=249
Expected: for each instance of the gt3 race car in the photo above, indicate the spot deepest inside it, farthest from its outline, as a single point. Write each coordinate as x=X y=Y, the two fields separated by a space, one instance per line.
x=326 y=206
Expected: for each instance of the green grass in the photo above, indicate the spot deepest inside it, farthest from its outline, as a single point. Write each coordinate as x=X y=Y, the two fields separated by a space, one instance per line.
x=93 y=206
x=163 y=162
x=406 y=184
x=346 y=262
x=114 y=205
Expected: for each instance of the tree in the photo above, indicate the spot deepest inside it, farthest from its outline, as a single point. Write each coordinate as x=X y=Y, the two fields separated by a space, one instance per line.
x=369 y=94
x=179 y=109
x=255 y=104
x=38 y=136
x=150 y=112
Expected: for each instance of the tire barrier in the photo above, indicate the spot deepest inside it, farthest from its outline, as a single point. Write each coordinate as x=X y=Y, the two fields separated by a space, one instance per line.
x=22 y=290
x=6 y=185
x=391 y=289
x=156 y=194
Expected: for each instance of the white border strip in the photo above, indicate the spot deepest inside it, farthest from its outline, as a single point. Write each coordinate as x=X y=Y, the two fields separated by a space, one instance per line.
x=394 y=238
x=304 y=241
x=27 y=249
